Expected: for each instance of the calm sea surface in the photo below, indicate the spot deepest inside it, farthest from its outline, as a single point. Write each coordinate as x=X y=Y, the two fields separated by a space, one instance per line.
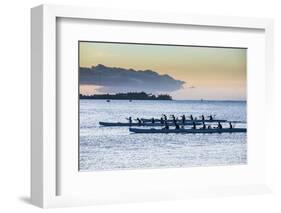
x=115 y=148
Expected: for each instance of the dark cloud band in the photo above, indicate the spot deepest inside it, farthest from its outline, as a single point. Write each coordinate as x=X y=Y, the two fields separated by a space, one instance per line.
x=113 y=79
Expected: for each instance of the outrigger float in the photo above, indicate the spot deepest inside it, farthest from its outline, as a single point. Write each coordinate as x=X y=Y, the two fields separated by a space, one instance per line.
x=145 y=120
x=187 y=123
x=189 y=131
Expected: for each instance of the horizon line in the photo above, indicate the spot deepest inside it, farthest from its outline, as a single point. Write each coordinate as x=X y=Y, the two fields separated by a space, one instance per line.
x=204 y=100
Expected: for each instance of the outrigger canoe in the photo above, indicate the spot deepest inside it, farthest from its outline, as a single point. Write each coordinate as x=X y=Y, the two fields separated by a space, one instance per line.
x=145 y=124
x=188 y=120
x=188 y=131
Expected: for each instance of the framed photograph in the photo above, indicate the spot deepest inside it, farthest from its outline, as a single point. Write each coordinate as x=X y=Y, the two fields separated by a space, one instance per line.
x=129 y=106
x=147 y=106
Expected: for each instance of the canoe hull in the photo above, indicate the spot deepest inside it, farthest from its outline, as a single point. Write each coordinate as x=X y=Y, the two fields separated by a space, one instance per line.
x=187 y=131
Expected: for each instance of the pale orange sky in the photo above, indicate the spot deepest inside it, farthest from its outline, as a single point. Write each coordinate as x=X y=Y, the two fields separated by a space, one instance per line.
x=209 y=73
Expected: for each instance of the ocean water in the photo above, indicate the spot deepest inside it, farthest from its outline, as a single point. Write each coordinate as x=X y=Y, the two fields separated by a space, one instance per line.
x=115 y=148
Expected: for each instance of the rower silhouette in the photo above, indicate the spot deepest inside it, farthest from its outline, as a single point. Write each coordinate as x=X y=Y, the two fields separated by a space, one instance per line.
x=130 y=120
x=166 y=126
x=194 y=125
x=139 y=121
x=183 y=119
x=204 y=125
x=177 y=126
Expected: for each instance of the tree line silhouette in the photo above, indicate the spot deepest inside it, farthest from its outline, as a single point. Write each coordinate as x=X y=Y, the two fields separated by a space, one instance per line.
x=128 y=96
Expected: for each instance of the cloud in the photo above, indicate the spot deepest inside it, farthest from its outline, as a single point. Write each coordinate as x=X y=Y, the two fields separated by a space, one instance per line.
x=113 y=79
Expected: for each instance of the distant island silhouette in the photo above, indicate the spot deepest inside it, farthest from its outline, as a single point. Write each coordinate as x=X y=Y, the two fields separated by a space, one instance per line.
x=128 y=96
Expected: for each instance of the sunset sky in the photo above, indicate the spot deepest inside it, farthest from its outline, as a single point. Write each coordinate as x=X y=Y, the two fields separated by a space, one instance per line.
x=209 y=73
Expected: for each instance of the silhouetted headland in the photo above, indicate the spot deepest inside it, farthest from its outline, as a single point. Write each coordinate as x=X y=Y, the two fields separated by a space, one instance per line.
x=128 y=96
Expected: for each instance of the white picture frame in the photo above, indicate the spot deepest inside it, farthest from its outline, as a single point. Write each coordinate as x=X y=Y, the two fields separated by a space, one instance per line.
x=45 y=170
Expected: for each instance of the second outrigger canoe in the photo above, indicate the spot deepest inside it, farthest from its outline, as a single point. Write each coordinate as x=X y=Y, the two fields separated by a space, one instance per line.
x=190 y=131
